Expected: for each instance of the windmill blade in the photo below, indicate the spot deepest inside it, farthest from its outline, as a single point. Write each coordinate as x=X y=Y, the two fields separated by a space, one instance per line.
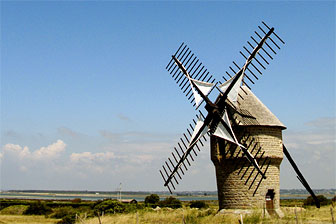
x=233 y=93
x=300 y=176
x=204 y=87
x=186 y=69
x=174 y=168
x=189 y=149
x=200 y=89
x=224 y=130
x=256 y=53
x=199 y=127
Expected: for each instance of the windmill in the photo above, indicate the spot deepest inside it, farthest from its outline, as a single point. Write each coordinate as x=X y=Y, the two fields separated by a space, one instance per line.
x=243 y=157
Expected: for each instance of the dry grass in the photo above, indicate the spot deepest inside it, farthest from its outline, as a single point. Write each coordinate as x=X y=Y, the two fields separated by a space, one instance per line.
x=166 y=216
x=26 y=219
x=310 y=216
x=14 y=210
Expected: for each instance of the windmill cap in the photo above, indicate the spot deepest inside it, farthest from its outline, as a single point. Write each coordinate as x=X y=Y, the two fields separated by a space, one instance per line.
x=256 y=113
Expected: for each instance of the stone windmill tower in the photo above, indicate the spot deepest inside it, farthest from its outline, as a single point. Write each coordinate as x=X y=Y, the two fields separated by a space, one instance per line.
x=245 y=137
x=237 y=181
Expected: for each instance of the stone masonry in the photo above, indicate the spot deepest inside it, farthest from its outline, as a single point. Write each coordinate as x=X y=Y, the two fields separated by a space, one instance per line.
x=239 y=184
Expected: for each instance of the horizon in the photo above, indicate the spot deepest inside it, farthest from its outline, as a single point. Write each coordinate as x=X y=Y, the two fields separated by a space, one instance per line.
x=299 y=189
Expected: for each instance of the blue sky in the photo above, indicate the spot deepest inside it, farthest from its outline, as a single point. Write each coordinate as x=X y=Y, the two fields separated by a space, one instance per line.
x=83 y=78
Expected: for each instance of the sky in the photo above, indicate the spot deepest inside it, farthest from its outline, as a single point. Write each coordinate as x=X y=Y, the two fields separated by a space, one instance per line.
x=86 y=102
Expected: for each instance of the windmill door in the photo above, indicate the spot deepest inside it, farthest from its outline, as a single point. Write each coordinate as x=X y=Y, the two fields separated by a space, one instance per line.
x=270 y=202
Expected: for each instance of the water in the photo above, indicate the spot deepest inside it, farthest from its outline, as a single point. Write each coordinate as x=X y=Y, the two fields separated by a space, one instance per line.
x=93 y=197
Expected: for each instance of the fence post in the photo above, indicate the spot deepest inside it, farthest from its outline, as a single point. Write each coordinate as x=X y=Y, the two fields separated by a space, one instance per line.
x=332 y=215
x=263 y=211
x=99 y=218
x=296 y=218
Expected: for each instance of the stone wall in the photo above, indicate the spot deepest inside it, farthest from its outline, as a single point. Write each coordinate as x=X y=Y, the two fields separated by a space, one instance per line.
x=239 y=184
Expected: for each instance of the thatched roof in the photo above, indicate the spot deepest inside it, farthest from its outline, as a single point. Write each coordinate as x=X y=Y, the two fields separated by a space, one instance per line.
x=253 y=112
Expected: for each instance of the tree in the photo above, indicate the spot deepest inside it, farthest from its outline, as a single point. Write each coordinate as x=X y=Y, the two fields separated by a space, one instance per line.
x=322 y=199
x=37 y=208
x=171 y=202
x=198 y=204
x=110 y=206
x=152 y=200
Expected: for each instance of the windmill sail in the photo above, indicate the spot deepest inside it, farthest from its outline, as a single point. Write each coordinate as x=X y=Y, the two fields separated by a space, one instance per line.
x=183 y=154
x=256 y=55
x=233 y=94
x=184 y=62
x=204 y=87
x=223 y=132
x=198 y=126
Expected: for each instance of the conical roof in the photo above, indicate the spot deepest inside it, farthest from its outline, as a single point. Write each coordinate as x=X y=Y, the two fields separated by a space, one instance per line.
x=253 y=112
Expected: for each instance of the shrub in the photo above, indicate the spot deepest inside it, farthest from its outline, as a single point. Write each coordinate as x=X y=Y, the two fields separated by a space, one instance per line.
x=152 y=200
x=133 y=207
x=334 y=199
x=170 y=202
x=322 y=199
x=110 y=206
x=69 y=219
x=76 y=200
x=38 y=208
x=61 y=212
x=198 y=204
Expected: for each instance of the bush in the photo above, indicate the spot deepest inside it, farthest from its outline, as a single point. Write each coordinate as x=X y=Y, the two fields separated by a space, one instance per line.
x=334 y=199
x=38 y=208
x=110 y=206
x=61 y=212
x=129 y=208
x=69 y=219
x=198 y=204
x=76 y=200
x=322 y=199
x=170 y=202
x=152 y=200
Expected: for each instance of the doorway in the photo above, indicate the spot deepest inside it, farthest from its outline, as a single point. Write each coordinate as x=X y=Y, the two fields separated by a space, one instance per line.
x=270 y=201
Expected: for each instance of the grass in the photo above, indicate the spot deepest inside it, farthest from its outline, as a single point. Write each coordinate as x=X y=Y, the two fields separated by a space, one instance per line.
x=14 y=210
x=309 y=215
x=143 y=215
x=166 y=216
x=26 y=219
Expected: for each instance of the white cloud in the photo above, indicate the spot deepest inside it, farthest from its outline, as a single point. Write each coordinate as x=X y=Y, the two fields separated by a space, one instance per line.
x=16 y=151
x=51 y=151
x=88 y=157
x=44 y=153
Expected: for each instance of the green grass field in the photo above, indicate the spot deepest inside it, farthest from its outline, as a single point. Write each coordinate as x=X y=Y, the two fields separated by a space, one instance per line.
x=15 y=214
